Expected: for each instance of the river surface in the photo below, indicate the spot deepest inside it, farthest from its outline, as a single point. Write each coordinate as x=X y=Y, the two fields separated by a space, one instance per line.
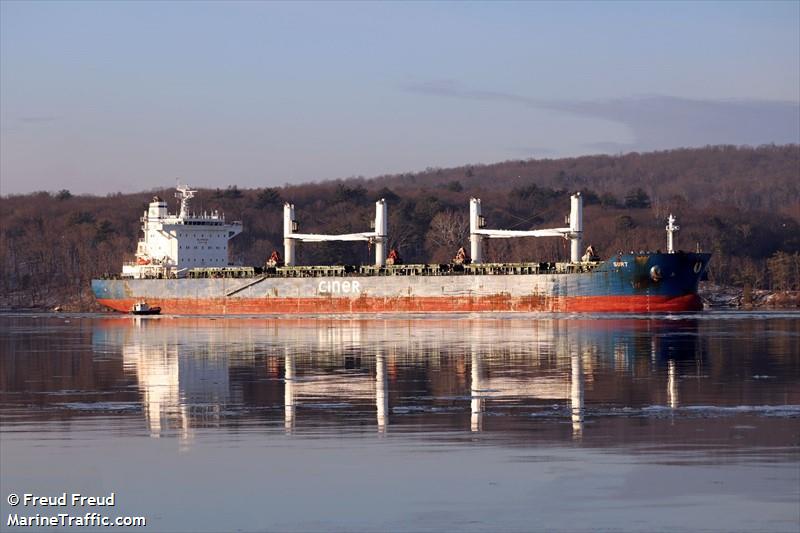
x=483 y=423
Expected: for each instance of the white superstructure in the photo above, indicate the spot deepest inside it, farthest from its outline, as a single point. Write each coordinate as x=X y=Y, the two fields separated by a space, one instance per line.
x=172 y=244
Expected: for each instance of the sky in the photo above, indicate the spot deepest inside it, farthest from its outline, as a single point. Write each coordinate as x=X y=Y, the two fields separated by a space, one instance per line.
x=104 y=97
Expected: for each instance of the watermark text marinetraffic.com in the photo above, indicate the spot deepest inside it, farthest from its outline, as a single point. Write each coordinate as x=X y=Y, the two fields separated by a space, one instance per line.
x=66 y=510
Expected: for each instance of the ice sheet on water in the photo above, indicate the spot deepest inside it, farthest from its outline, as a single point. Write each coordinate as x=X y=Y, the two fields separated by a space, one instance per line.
x=327 y=405
x=408 y=409
x=789 y=411
x=661 y=411
x=101 y=406
x=73 y=392
x=765 y=410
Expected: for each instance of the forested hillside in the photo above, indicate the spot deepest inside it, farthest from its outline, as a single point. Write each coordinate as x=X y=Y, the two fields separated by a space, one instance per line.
x=741 y=203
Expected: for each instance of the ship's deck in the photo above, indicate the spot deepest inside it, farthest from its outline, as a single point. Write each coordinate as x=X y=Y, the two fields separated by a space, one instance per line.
x=421 y=269
x=434 y=269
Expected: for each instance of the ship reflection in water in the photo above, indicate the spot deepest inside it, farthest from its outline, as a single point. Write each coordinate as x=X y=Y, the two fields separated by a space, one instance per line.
x=549 y=422
x=199 y=372
x=175 y=389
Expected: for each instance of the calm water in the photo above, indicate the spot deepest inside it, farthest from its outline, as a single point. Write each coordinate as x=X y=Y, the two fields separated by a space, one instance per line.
x=512 y=423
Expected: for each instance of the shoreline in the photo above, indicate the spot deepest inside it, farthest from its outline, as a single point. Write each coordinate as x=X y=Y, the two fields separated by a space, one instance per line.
x=729 y=297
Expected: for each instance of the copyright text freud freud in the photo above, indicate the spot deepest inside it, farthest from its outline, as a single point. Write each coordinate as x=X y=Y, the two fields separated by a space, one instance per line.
x=74 y=510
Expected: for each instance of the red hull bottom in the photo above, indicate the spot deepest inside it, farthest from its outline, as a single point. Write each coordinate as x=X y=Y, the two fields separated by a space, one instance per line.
x=313 y=306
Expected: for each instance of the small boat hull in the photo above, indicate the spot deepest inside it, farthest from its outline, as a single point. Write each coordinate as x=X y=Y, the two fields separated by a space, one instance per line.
x=148 y=310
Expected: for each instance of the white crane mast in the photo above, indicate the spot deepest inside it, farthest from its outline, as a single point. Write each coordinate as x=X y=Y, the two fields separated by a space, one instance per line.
x=379 y=236
x=574 y=232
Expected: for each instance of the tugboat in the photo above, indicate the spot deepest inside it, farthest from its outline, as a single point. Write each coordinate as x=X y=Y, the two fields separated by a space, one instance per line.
x=142 y=308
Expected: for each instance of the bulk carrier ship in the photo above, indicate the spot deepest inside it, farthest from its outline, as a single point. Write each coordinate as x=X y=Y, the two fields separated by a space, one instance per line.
x=182 y=266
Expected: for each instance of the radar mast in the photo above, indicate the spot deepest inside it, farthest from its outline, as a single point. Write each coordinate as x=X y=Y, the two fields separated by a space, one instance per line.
x=184 y=194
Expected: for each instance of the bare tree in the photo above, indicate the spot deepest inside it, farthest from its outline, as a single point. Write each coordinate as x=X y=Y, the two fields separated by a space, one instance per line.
x=448 y=230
